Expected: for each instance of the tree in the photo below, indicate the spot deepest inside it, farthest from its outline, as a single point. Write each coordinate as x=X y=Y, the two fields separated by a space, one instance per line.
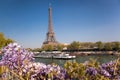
x=4 y=41
x=99 y=45
x=48 y=47
x=116 y=45
x=74 y=46
x=60 y=47
x=36 y=50
x=87 y=45
x=8 y=41
x=108 y=46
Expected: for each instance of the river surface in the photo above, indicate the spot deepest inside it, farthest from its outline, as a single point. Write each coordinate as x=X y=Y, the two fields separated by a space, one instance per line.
x=80 y=59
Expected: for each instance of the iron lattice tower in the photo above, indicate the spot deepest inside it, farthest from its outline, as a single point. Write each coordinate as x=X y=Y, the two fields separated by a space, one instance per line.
x=50 y=36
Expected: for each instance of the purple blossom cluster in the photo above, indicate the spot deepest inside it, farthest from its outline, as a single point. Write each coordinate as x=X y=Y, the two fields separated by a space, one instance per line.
x=22 y=63
x=52 y=72
x=110 y=70
x=15 y=56
x=107 y=69
x=91 y=71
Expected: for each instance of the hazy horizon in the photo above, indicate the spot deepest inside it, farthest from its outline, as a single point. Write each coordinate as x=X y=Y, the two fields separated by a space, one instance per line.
x=26 y=21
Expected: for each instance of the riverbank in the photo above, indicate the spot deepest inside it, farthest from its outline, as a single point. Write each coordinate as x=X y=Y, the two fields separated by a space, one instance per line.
x=94 y=53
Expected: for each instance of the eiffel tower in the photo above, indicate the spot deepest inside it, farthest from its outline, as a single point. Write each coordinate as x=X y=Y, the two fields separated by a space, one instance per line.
x=50 y=36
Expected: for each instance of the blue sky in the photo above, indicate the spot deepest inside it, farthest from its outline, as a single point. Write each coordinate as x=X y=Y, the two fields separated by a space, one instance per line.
x=26 y=21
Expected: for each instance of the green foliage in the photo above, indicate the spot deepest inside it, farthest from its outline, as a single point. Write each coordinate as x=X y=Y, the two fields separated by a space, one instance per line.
x=4 y=41
x=93 y=63
x=87 y=45
x=116 y=45
x=60 y=47
x=48 y=47
x=74 y=46
x=77 y=71
x=108 y=46
x=2 y=69
x=8 y=41
x=91 y=45
x=37 y=50
x=99 y=45
x=10 y=74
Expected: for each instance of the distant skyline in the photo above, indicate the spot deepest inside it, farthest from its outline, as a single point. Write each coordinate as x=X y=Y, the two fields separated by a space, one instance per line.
x=26 y=21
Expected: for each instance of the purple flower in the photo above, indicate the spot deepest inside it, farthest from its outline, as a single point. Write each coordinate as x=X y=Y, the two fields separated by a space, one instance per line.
x=15 y=56
x=105 y=73
x=91 y=71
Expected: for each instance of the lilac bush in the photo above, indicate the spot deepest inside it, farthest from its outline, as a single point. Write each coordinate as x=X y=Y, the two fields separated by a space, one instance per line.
x=15 y=56
x=18 y=64
x=52 y=72
x=110 y=69
x=92 y=71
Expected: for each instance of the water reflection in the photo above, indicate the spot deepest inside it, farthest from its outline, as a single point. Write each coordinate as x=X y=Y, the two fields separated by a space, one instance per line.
x=79 y=59
x=49 y=61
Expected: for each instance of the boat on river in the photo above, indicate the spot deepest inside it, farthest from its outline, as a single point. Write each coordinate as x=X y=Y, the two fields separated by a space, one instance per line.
x=63 y=56
x=54 y=55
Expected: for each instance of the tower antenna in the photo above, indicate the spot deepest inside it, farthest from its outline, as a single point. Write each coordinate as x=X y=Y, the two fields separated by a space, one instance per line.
x=50 y=4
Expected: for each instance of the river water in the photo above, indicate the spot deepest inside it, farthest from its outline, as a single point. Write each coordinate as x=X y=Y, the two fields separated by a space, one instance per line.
x=80 y=59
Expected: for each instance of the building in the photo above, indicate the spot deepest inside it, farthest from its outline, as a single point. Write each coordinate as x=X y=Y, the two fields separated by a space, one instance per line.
x=50 y=35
